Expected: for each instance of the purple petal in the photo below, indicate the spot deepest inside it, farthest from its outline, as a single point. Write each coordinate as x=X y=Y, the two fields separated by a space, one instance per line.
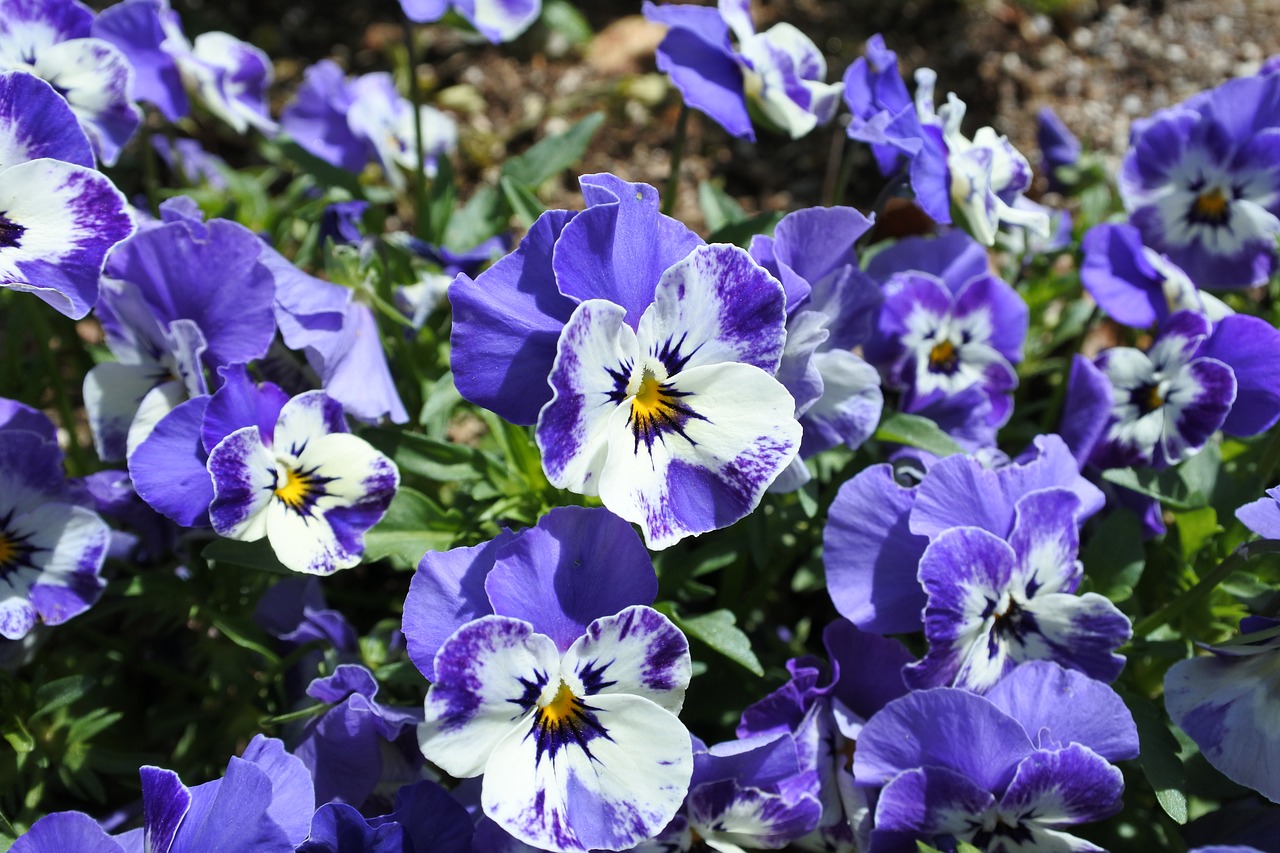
x=292 y=794
x=1069 y=786
x=1262 y=516
x=232 y=813
x=165 y=801
x=135 y=28
x=709 y=79
x=168 y=468
x=1087 y=409
x=1251 y=348
x=36 y=122
x=61 y=832
x=931 y=801
x=577 y=565
x=240 y=403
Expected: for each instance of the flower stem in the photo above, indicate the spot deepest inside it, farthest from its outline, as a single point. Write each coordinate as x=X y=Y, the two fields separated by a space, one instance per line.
x=78 y=463
x=421 y=211
x=677 y=155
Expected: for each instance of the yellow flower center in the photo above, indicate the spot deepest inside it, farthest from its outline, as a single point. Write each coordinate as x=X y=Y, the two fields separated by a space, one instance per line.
x=8 y=551
x=943 y=358
x=648 y=396
x=299 y=489
x=561 y=708
x=1212 y=206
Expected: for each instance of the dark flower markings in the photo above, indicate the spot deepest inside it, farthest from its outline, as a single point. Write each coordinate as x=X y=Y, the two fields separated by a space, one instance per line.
x=944 y=357
x=565 y=720
x=1212 y=205
x=10 y=232
x=302 y=487
x=1013 y=624
x=657 y=409
x=983 y=839
x=1146 y=398
x=15 y=551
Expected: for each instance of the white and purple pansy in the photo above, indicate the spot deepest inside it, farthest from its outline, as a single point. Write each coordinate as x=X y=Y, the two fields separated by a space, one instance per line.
x=51 y=550
x=1009 y=772
x=1228 y=702
x=305 y=483
x=678 y=424
x=994 y=604
x=58 y=216
x=1166 y=403
x=777 y=76
x=1201 y=181
x=553 y=678
x=51 y=39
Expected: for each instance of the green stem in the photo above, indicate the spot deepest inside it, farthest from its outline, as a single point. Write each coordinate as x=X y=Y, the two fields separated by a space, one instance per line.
x=78 y=462
x=677 y=155
x=1204 y=586
x=422 y=213
x=842 y=178
x=1270 y=458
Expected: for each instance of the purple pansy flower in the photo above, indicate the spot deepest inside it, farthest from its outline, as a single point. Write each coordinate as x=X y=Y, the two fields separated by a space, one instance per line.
x=350 y=122
x=1263 y=515
x=1009 y=772
x=58 y=217
x=149 y=34
x=1167 y=402
x=51 y=39
x=1135 y=284
x=51 y=550
x=1201 y=181
x=994 y=604
x=561 y=685
x=182 y=296
x=880 y=524
x=1227 y=702
x=831 y=306
x=659 y=352
x=188 y=160
x=1059 y=147
x=496 y=20
x=947 y=325
x=426 y=820
x=777 y=75
x=302 y=481
x=983 y=177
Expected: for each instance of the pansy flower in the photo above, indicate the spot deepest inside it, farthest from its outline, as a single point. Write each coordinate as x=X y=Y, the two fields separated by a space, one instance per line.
x=1167 y=402
x=58 y=217
x=993 y=604
x=660 y=352
x=1059 y=147
x=1226 y=701
x=947 y=325
x=51 y=550
x=1201 y=181
x=553 y=678
x=496 y=20
x=51 y=38
x=426 y=819
x=778 y=75
x=982 y=177
x=1009 y=772
x=304 y=483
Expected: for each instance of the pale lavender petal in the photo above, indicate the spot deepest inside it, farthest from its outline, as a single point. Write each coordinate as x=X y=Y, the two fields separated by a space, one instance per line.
x=66 y=831
x=1262 y=516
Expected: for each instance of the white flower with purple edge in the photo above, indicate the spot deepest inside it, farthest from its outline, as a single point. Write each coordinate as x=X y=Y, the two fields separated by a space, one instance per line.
x=51 y=550
x=496 y=20
x=552 y=677
x=51 y=38
x=994 y=604
x=58 y=217
x=678 y=425
x=308 y=486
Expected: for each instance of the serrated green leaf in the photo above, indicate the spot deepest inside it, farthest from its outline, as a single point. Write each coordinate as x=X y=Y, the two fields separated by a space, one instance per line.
x=551 y=156
x=740 y=233
x=718 y=207
x=414 y=524
x=916 y=431
x=439 y=461
x=522 y=201
x=719 y=631
x=254 y=555
x=61 y=693
x=1114 y=557
x=1158 y=756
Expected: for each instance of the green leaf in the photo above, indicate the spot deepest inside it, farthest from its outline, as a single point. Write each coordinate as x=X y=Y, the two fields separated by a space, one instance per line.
x=718 y=207
x=523 y=202
x=244 y=634
x=414 y=524
x=61 y=693
x=916 y=431
x=740 y=233
x=921 y=847
x=7 y=832
x=1189 y=486
x=439 y=461
x=1158 y=756
x=561 y=17
x=966 y=847
x=254 y=555
x=551 y=156
x=479 y=219
x=442 y=197
x=1114 y=558
x=1196 y=528
x=719 y=631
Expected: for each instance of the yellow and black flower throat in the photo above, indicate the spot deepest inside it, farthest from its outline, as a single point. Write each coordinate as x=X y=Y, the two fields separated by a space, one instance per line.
x=1211 y=207
x=944 y=357
x=299 y=488
x=15 y=549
